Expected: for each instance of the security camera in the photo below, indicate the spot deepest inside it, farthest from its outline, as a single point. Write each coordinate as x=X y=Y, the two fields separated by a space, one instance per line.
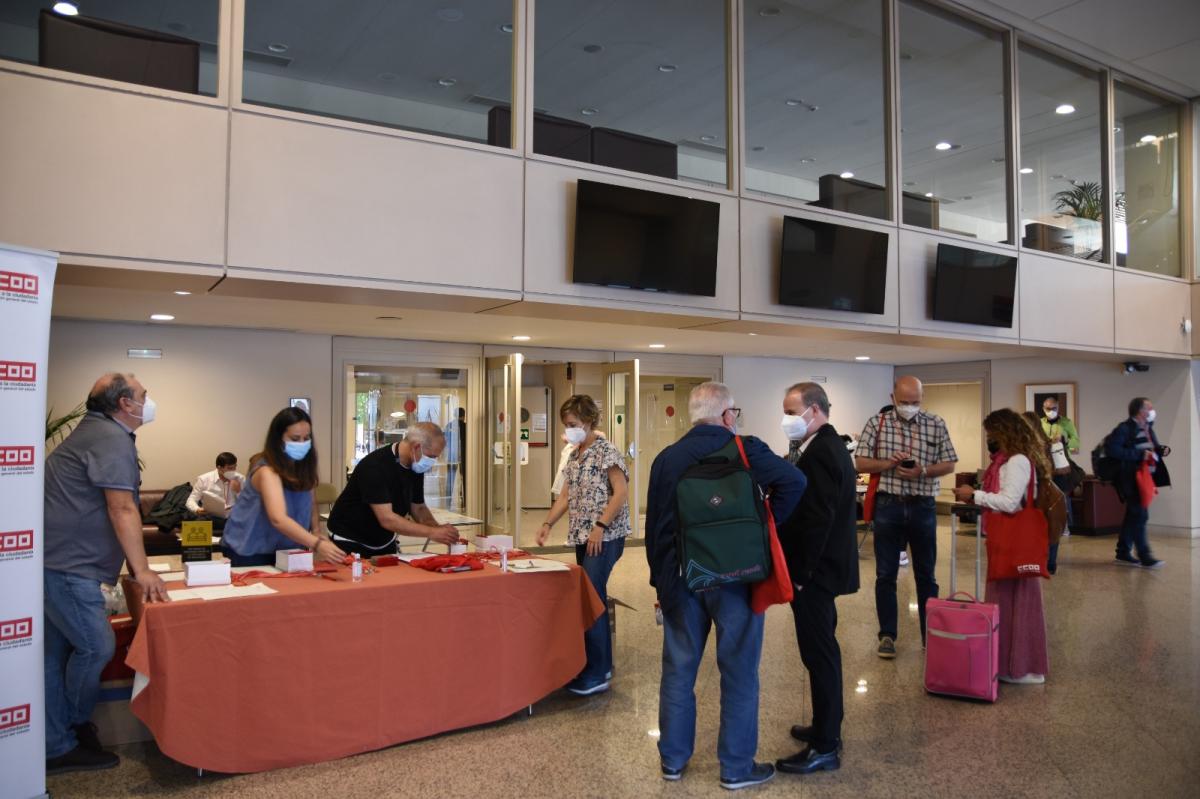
x=1135 y=366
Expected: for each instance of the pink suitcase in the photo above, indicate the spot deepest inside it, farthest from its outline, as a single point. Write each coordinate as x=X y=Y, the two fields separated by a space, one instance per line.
x=962 y=636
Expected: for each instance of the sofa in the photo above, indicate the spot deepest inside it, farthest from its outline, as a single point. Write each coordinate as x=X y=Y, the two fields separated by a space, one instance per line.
x=156 y=541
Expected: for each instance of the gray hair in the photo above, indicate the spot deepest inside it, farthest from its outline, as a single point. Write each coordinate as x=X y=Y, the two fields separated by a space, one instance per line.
x=708 y=401
x=108 y=392
x=811 y=394
x=425 y=434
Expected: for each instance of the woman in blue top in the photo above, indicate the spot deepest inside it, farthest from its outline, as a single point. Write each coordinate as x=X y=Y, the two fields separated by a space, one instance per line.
x=275 y=509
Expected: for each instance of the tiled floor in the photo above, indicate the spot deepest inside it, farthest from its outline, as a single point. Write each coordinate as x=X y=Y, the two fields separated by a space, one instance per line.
x=1118 y=717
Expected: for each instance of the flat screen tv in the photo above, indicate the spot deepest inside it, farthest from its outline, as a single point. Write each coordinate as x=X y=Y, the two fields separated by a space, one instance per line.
x=632 y=238
x=975 y=287
x=824 y=265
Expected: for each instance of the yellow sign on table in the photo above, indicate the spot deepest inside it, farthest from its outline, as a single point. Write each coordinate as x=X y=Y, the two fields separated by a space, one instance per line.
x=196 y=534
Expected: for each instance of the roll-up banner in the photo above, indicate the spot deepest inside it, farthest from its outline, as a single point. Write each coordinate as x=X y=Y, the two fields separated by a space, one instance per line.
x=26 y=288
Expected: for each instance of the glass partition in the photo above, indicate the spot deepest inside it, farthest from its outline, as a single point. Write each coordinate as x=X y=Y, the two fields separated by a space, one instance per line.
x=633 y=84
x=1146 y=152
x=422 y=66
x=1062 y=192
x=952 y=124
x=167 y=45
x=814 y=92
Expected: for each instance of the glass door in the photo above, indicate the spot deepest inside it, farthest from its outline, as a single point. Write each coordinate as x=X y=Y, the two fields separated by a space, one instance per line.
x=621 y=414
x=503 y=437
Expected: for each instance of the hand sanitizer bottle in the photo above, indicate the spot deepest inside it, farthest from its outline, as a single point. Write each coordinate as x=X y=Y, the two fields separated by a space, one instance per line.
x=356 y=568
x=504 y=559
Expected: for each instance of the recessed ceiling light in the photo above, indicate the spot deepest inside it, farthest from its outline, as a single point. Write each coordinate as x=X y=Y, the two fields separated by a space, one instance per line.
x=708 y=138
x=667 y=67
x=910 y=183
x=507 y=27
x=449 y=14
x=793 y=102
x=589 y=112
x=847 y=175
x=1026 y=170
x=997 y=160
x=807 y=160
x=446 y=82
x=397 y=414
x=66 y=9
x=1065 y=108
x=966 y=197
x=757 y=148
x=862 y=357
x=161 y=317
x=1148 y=138
x=521 y=338
x=1117 y=129
x=277 y=47
x=906 y=56
x=593 y=48
x=751 y=334
x=387 y=77
x=1058 y=177
x=769 y=11
x=943 y=145
x=928 y=194
x=389 y=318
x=658 y=346
x=183 y=293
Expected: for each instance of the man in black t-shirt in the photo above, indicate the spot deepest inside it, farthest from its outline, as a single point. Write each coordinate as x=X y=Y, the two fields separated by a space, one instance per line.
x=386 y=496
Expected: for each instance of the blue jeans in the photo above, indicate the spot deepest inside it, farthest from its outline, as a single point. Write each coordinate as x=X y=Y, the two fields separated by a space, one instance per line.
x=597 y=642
x=686 y=621
x=1133 y=529
x=79 y=643
x=899 y=523
x=1063 y=482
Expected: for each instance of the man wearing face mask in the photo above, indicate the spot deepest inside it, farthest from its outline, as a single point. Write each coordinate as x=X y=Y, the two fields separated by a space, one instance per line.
x=1132 y=443
x=92 y=524
x=222 y=486
x=910 y=449
x=386 y=488
x=820 y=544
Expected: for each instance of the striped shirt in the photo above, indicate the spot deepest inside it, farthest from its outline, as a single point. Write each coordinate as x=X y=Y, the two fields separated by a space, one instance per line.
x=926 y=437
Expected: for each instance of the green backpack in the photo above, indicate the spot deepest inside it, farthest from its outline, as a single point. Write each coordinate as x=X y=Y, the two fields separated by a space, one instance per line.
x=722 y=525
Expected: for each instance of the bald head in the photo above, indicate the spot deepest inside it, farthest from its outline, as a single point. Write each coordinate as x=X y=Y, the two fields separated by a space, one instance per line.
x=116 y=395
x=907 y=390
x=428 y=436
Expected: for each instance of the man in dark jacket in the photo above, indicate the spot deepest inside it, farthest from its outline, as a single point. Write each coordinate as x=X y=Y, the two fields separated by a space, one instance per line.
x=822 y=555
x=688 y=616
x=1131 y=443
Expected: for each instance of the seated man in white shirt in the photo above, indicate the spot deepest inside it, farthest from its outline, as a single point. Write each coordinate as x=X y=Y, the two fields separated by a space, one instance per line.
x=213 y=493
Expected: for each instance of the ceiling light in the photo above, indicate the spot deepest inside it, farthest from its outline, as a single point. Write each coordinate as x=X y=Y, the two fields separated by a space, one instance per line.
x=389 y=318
x=1117 y=129
x=593 y=48
x=966 y=197
x=387 y=77
x=862 y=357
x=446 y=82
x=397 y=414
x=906 y=57
x=658 y=346
x=589 y=112
x=507 y=27
x=846 y=175
x=667 y=67
x=66 y=9
x=277 y=47
x=928 y=194
x=449 y=14
x=943 y=145
x=793 y=102
x=997 y=160
x=910 y=183
x=757 y=149
x=521 y=338
x=1065 y=108
x=183 y=293
x=1026 y=170
x=707 y=138
x=807 y=160
x=162 y=317
x=1148 y=138
x=751 y=334
x=769 y=11
x=1058 y=177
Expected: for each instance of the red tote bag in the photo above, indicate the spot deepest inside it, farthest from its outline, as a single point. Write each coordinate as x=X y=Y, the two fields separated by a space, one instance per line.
x=1145 y=484
x=1018 y=544
x=873 y=480
x=777 y=588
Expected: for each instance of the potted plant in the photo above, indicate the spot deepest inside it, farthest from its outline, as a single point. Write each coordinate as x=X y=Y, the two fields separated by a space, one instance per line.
x=57 y=428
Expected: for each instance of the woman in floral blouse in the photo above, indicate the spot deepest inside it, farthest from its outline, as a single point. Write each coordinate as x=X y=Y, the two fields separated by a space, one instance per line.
x=597 y=485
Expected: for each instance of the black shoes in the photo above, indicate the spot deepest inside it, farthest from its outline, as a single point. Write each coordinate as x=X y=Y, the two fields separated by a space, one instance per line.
x=87 y=735
x=81 y=759
x=806 y=735
x=759 y=773
x=808 y=761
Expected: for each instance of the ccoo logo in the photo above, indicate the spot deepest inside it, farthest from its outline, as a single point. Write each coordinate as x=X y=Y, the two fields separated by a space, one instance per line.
x=16 y=457
x=16 y=542
x=16 y=630
x=18 y=372
x=11 y=717
x=19 y=283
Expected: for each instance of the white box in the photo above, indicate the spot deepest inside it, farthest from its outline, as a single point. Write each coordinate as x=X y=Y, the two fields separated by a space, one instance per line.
x=487 y=543
x=294 y=560
x=206 y=572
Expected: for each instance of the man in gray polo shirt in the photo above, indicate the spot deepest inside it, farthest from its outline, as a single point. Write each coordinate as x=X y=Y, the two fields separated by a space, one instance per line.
x=92 y=524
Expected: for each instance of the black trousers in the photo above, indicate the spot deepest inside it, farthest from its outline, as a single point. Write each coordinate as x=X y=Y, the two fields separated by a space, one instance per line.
x=815 y=615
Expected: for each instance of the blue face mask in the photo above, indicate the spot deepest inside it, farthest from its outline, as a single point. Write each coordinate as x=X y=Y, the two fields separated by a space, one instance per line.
x=424 y=464
x=297 y=450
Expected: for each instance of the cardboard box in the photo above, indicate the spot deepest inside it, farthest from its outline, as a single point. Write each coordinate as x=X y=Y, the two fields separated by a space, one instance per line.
x=206 y=572
x=487 y=543
x=294 y=560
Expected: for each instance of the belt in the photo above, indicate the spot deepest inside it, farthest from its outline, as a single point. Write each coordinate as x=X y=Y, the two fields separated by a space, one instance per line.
x=904 y=497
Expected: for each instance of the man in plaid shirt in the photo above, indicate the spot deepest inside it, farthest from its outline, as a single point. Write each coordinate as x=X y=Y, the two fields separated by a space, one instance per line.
x=910 y=450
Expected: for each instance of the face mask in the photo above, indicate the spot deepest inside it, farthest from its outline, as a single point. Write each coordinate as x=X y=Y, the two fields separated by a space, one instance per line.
x=907 y=412
x=1150 y=416
x=993 y=447
x=297 y=450
x=424 y=464
x=230 y=475
x=1052 y=415
x=794 y=427
x=575 y=435
x=148 y=409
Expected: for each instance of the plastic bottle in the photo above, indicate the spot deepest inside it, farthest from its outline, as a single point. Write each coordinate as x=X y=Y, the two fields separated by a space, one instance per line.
x=504 y=559
x=356 y=568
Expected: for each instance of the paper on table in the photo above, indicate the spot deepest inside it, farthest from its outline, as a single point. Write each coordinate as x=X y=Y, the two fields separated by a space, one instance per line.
x=244 y=569
x=529 y=565
x=180 y=594
x=160 y=567
x=232 y=591
x=171 y=576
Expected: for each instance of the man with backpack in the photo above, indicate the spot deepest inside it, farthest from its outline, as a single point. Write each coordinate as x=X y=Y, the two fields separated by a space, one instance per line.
x=709 y=452
x=1130 y=444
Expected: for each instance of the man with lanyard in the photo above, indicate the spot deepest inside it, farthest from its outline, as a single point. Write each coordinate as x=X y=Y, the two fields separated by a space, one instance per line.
x=385 y=488
x=1131 y=443
x=910 y=449
x=1060 y=430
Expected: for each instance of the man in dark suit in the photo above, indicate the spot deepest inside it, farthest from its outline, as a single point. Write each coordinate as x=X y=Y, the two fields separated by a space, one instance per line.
x=822 y=557
x=1131 y=443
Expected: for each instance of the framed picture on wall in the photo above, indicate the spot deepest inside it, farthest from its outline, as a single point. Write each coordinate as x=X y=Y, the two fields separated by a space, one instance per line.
x=302 y=403
x=1037 y=393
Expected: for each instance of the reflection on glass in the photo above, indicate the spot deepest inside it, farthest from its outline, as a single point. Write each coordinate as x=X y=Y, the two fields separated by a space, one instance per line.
x=815 y=103
x=167 y=45
x=664 y=420
x=633 y=85
x=421 y=66
x=952 y=133
x=387 y=399
x=1146 y=147
x=1062 y=197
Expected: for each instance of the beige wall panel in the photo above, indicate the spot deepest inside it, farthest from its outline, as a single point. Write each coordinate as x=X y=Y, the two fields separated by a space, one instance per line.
x=1065 y=302
x=762 y=239
x=101 y=172
x=550 y=239
x=1150 y=312
x=331 y=201
x=918 y=256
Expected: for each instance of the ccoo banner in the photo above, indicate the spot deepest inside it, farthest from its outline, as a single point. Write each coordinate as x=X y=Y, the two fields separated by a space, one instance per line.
x=26 y=287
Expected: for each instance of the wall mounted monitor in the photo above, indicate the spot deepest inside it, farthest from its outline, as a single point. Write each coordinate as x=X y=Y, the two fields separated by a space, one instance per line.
x=632 y=238
x=837 y=267
x=974 y=287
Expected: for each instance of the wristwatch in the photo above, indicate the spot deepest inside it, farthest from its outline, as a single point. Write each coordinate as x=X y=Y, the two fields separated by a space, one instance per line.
x=602 y=525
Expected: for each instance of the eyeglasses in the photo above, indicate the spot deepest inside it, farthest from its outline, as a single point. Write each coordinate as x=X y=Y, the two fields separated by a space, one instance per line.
x=737 y=413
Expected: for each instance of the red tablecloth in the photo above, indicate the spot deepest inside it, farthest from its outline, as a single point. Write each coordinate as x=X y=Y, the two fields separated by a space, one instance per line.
x=326 y=669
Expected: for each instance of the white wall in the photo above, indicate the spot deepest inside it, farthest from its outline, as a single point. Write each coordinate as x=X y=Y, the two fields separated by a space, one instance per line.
x=216 y=389
x=856 y=391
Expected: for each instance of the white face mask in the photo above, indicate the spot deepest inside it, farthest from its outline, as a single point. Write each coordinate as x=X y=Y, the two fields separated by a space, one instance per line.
x=1052 y=415
x=148 y=409
x=1150 y=416
x=575 y=435
x=907 y=412
x=229 y=475
x=794 y=426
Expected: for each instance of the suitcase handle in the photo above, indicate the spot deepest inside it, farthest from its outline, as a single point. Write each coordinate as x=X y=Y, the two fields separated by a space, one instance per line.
x=962 y=593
